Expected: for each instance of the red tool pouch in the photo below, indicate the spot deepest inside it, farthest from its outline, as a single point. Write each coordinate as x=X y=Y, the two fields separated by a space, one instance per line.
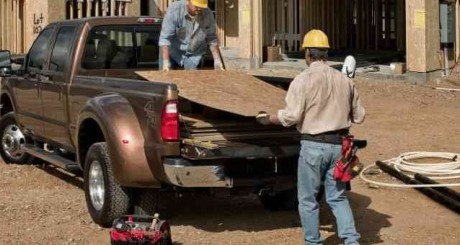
x=348 y=165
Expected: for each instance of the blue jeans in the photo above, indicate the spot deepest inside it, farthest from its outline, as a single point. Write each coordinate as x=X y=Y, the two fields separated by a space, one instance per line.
x=316 y=163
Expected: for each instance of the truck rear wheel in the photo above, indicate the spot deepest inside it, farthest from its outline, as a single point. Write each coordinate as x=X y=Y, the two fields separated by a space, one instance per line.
x=105 y=199
x=13 y=140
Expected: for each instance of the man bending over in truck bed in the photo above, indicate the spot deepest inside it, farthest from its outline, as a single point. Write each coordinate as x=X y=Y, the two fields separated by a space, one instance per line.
x=188 y=28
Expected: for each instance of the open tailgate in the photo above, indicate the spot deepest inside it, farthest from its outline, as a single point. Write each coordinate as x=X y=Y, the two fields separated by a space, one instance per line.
x=221 y=139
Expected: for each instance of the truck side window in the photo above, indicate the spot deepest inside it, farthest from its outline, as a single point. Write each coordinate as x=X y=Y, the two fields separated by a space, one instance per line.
x=38 y=51
x=110 y=47
x=62 y=48
x=122 y=47
x=147 y=48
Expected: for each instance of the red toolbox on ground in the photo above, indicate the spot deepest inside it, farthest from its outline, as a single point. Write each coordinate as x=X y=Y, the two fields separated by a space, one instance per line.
x=136 y=229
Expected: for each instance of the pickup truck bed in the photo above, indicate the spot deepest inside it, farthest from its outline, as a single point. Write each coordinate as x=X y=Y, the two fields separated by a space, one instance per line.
x=218 y=130
x=237 y=138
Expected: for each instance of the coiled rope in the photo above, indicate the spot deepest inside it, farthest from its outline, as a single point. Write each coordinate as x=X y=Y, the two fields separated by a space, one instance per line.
x=448 y=170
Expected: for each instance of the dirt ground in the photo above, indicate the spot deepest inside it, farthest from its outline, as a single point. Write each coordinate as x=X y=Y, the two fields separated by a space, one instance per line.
x=41 y=205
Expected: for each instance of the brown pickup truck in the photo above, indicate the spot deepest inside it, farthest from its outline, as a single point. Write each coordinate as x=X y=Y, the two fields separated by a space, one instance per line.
x=77 y=102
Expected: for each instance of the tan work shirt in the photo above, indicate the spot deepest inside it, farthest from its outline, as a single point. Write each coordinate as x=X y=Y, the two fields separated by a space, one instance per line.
x=321 y=99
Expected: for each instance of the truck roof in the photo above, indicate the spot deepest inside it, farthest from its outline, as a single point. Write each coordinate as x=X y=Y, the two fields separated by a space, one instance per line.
x=114 y=20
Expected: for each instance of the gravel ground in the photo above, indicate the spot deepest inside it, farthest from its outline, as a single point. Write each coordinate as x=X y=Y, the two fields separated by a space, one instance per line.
x=41 y=205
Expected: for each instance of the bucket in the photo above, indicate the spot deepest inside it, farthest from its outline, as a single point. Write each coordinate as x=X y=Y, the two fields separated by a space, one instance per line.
x=274 y=53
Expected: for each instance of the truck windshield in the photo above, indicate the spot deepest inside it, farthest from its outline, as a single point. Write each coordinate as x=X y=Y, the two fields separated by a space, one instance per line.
x=122 y=47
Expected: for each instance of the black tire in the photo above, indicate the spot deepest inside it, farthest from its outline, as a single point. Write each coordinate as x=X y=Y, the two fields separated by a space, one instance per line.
x=9 y=138
x=149 y=202
x=164 y=227
x=116 y=200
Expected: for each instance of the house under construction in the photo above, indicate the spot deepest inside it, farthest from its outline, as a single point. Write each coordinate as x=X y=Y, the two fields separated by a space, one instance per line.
x=418 y=32
x=421 y=33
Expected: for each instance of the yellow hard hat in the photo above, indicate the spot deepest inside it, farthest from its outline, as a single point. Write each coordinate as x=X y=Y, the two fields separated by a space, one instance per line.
x=315 y=39
x=200 y=3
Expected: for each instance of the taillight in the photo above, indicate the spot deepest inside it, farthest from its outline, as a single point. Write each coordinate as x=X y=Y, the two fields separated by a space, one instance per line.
x=170 y=122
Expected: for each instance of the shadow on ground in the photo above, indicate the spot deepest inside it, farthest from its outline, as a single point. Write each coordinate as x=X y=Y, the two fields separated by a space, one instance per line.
x=215 y=214
x=73 y=179
x=368 y=221
x=246 y=213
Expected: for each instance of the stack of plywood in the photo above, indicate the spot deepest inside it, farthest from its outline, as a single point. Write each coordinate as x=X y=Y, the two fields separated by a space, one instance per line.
x=229 y=91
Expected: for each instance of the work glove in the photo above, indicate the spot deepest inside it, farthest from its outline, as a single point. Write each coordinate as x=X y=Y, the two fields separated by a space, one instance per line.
x=218 y=65
x=166 y=65
x=263 y=118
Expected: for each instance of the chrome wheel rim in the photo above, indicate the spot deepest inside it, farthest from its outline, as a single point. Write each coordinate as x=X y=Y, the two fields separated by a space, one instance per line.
x=12 y=142
x=96 y=185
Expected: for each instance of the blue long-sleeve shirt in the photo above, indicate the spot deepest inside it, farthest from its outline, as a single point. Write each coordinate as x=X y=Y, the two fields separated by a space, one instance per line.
x=187 y=37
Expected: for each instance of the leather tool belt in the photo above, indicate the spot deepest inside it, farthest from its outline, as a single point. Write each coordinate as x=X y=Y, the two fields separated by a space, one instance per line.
x=332 y=137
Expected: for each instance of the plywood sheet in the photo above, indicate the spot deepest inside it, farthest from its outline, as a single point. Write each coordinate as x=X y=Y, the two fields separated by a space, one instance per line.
x=229 y=91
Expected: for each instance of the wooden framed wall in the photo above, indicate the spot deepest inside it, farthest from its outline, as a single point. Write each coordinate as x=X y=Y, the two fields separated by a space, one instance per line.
x=12 y=25
x=220 y=20
x=401 y=25
x=282 y=23
x=5 y=17
x=334 y=17
x=162 y=5
x=288 y=20
x=22 y=20
x=350 y=24
x=75 y=9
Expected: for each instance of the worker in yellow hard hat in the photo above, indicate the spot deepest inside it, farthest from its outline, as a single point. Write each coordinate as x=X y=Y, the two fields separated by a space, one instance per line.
x=322 y=103
x=316 y=46
x=187 y=31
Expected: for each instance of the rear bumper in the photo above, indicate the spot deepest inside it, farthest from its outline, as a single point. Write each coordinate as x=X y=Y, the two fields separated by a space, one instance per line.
x=181 y=172
x=200 y=152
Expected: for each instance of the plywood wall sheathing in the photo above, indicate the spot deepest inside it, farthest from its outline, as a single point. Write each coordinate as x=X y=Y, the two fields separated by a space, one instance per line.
x=423 y=39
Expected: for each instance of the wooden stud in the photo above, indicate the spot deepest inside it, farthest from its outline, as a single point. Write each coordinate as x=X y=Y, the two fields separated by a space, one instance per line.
x=457 y=27
x=367 y=24
x=334 y=18
x=88 y=8
x=1 y=25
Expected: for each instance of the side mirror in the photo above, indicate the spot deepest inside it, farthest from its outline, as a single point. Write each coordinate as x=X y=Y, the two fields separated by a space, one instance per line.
x=5 y=72
x=5 y=63
x=18 y=60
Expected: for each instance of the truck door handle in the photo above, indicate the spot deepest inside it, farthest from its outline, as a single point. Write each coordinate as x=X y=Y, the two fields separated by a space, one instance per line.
x=46 y=81
x=45 y=78
x=46 y=75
